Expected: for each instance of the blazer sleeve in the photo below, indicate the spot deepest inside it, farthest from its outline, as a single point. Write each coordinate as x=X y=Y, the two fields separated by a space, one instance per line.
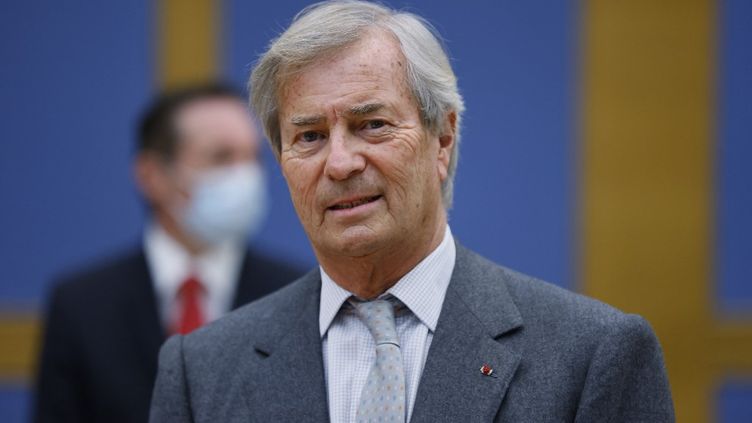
x=171 y=400
x=627 y=381
x=59 y=395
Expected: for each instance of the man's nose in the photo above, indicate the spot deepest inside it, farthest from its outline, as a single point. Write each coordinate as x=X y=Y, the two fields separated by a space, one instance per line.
x=345 y=158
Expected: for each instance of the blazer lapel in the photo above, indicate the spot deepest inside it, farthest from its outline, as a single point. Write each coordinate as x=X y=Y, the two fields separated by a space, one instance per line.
x=476 y=328
x=291 y=366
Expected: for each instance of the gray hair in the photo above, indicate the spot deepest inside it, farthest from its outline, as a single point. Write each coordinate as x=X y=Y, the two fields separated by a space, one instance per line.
x=326 y=27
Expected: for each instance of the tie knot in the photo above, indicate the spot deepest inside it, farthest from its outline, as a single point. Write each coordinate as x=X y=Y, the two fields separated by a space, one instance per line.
x=378 y=316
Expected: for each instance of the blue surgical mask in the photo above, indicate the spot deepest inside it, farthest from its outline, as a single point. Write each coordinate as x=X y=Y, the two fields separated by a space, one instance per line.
x=227 y=204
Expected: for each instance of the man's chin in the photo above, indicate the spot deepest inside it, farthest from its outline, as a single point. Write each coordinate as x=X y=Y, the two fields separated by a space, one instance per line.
x=355 y=241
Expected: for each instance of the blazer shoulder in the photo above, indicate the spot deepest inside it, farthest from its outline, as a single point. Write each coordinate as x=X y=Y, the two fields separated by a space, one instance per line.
x=563 y=314
x=279 y=269
x=578 y=353
x=261 y=275
x=104 y=277
x=547 y=307
x=535 y=295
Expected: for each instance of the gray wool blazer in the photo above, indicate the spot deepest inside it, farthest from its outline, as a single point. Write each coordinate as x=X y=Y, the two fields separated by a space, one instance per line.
x=556 y=357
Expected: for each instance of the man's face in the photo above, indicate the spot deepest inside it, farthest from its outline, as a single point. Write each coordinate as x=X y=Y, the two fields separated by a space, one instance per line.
x=212 y=133
x=364 y=173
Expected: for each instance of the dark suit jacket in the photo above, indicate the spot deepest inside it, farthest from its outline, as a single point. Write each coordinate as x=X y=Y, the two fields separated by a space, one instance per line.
x=102 y=339
x=557 y=357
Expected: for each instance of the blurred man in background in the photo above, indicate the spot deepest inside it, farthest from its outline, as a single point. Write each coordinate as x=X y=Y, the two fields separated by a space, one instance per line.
x=199 y=171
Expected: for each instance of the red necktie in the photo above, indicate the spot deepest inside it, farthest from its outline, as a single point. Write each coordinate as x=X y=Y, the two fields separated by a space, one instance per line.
x=189 y=302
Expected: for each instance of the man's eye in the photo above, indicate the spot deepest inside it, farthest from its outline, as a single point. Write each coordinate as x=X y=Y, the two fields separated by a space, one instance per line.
x=375 y=124
x=310 y=136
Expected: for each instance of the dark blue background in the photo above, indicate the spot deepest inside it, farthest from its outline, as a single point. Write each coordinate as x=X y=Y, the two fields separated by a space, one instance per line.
x=74 y=77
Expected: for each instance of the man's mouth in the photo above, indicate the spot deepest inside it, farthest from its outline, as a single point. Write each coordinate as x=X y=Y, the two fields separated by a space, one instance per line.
x=355 y=203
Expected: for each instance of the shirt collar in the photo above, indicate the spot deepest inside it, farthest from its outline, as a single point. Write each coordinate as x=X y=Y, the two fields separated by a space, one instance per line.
x=170 y=264
x=332 y=298
x=422 y=289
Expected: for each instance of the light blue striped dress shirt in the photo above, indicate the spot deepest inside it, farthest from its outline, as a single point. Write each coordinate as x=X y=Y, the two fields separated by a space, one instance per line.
x=348 y=347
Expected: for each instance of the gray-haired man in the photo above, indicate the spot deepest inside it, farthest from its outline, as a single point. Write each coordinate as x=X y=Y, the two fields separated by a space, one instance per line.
x=399 y=323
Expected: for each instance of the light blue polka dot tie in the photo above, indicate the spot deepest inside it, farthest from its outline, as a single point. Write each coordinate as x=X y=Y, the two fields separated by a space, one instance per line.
x=383 y=396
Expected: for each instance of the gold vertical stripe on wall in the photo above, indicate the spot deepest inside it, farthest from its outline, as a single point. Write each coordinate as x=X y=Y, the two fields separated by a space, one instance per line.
x=19 y=336
x=647 y=185
x=188 y=41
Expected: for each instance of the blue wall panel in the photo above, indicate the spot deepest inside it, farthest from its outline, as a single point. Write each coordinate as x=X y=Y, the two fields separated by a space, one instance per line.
x=515 y=62
x=734 y=217
x=14 y=404
x=74 y=76
x=734 y=404
x=734 y=187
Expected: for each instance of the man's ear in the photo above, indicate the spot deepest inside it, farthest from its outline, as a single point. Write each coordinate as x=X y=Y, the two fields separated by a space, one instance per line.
x=446 y=144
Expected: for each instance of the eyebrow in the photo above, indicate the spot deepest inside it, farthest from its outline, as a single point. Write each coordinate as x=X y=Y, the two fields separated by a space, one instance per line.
x=364 y=109
x=306 y=120
x=357 y=110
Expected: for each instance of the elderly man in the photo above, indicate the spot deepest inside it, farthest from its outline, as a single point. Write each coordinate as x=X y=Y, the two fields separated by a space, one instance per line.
x=399 y=323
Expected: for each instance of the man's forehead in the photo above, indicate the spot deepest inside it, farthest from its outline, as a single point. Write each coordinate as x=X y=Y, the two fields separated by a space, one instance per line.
x=357 y=75
x=214 y=120
x=374 y=53
x=211 y=109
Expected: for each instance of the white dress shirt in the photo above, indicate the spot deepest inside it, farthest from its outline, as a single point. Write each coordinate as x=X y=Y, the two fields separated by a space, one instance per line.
x=348 y=347
x=170 y=265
